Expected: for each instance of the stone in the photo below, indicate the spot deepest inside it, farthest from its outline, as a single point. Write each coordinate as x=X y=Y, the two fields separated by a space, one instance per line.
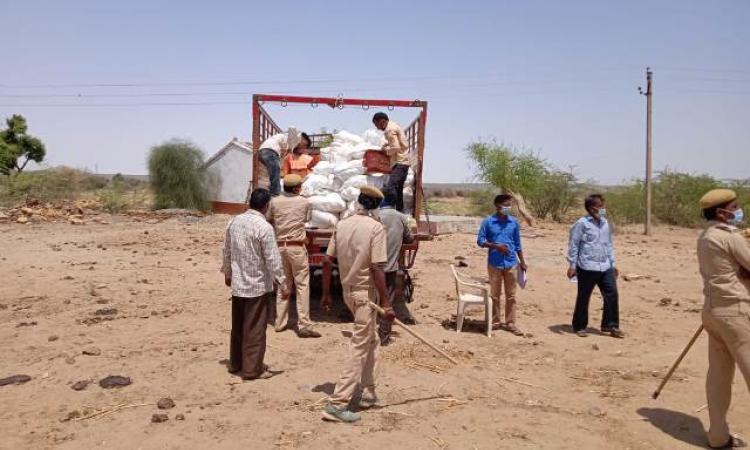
x=92 y=351
x=595 y=347
x=115 y=381
x=14 y=379
x=596 y=412
x=179 y=417
x=76 y=221
x=105 y=312
x=22 y=219
x=80 y=385
x=159 y=418
x=165 y=403
x=52 y=338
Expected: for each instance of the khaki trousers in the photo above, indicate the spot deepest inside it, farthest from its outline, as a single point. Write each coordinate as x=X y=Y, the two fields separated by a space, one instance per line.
x=297 y=271
x=728 y=344
x=500 y=278
x=360 y=367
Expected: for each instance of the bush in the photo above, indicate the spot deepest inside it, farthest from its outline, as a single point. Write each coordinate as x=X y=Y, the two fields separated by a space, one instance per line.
x=676 y=196
x=62 y=183
x=482 y=202
x=112 y=198
x=177 y=177
x=625 y=203
x=554 y=198
x=522 y=173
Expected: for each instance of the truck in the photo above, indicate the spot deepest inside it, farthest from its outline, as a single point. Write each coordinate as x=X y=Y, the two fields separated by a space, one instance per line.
x=264 y=126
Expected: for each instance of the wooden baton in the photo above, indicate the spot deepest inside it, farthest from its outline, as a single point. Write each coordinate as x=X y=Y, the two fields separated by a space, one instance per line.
x=656 y=393
x=415 y=334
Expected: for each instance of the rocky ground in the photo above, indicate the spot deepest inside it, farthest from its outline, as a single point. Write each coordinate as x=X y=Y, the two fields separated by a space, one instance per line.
x=118 y=328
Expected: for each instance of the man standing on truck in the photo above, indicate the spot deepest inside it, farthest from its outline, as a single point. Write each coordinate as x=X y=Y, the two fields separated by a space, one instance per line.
x=397 y=149
x=288 y=214
x=270 y=154
x=251 y=266
x=359 y=244
x=397 y=233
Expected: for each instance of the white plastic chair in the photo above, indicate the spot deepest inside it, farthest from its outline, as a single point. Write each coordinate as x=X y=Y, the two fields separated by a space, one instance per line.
x=480 y=296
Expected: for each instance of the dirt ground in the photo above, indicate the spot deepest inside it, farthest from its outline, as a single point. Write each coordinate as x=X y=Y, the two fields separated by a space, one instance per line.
x=146 y=301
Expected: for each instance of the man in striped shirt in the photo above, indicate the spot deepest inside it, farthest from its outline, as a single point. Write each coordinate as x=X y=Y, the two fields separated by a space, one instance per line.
x=251 y=267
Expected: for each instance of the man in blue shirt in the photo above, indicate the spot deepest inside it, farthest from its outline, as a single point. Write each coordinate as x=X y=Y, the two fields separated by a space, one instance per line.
x=592 y=261
x=501 y=234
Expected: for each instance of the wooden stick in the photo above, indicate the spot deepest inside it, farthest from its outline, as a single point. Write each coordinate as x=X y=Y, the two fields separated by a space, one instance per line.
x=415 y=334
x=111 y=410
x=698 y=332
x=522 y=382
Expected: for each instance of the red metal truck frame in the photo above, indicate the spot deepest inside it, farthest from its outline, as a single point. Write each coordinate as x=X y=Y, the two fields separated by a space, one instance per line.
x=264 y=127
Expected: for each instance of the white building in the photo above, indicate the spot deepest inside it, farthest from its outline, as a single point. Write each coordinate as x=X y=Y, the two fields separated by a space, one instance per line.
x=229 y=174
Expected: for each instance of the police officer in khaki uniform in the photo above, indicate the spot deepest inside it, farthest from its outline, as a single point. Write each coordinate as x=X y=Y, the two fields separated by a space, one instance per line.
x=288 y=214
x=359 y=244
x=724 y=258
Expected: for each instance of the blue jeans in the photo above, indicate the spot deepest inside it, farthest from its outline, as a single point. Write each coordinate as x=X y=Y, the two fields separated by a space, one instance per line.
x=607 y=283
x=272 y=161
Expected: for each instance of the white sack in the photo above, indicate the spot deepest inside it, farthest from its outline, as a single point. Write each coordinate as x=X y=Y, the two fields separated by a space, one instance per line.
x=323 y=168
x=350 y=193
x=346 y=137
x=357 y=181
x=321 y=219
x=316 y=184
x=377 y=181
x=344 y=171
x=374 y=137
x=332 y=203
x=409 y=178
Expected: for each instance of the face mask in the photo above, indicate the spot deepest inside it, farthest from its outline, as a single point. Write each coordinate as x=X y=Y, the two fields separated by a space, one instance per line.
x=739 y=216
x=602 y=212
x=505 y=210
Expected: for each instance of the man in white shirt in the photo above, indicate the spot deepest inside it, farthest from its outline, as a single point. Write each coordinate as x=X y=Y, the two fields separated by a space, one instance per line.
x=251 y=266
x=270 y=153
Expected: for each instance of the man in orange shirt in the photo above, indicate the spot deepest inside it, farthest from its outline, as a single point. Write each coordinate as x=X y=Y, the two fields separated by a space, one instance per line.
x=298 y=162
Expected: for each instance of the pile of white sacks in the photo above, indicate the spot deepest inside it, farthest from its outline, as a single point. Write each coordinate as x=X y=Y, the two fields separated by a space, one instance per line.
x=333 y=187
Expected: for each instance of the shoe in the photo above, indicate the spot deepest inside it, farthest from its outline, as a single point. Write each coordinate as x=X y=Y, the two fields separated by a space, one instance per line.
x=582 y=333
x=514 y=329
x=615 y=333
x=267 y=373
x=733 y=442
x=280 y=329
x=308 y=333
x=409 y=321
x=339 y=414
x=368 y=401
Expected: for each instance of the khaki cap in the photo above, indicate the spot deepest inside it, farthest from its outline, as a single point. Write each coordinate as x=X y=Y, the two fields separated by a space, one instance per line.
x=717 y=197
x=371 y=191
x=292 y=180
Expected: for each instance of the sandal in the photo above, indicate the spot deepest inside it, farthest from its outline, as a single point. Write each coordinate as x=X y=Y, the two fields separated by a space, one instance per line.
x=582 y=333
x=514 y=329
x=733 y=442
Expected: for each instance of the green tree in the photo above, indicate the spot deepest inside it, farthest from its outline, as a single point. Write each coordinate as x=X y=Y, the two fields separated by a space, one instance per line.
x=18 y=148
x=177 y=176
x=526 y=177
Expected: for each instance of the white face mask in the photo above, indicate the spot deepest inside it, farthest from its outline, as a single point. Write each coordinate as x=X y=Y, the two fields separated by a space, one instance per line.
x=737 y=218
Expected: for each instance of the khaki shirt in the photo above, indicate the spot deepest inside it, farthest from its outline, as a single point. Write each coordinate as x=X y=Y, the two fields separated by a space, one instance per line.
x=358 y=242
x=289 y=213
x=724 y=259
x=396 y=145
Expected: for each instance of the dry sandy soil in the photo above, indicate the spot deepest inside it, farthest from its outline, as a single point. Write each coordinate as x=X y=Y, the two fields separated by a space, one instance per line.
x=147 y=300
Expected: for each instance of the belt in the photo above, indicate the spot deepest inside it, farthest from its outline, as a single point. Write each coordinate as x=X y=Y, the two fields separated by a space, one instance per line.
x=292 y=243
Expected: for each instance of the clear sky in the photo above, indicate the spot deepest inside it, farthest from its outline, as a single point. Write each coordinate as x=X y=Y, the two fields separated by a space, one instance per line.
x=100 y=82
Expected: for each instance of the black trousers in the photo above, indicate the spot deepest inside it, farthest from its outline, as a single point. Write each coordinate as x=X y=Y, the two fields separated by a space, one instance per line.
x=396 y=180
x=607 y=283
x=247 y=345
